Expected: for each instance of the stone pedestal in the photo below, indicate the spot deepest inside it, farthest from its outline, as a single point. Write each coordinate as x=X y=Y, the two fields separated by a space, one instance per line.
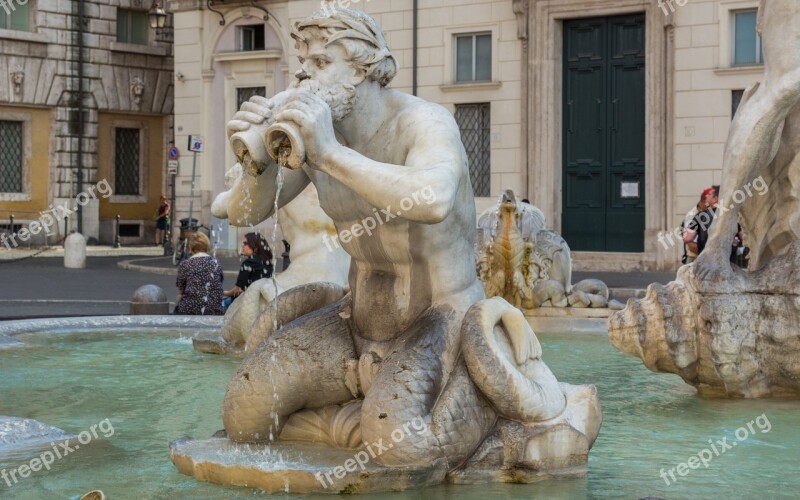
x=512 y=453
x=736 y=338
x=291 y=467
x=75 y=251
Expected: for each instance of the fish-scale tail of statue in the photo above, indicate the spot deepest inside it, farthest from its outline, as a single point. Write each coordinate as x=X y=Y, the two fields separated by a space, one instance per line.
x=503 y=358
x=424 y=413
x=264 y=391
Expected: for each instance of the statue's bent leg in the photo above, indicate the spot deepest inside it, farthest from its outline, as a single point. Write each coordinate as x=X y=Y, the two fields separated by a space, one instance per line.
x=504 y=360
x=416 y=410
x=301 y=366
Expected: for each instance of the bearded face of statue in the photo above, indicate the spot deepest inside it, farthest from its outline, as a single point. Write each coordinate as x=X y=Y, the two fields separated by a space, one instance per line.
x=327 y=73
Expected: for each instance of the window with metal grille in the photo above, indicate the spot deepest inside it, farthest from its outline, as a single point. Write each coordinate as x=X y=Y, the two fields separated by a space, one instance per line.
x=126 y=161
x=746 y=42
x=132 y=26
x=11 y=164
x=475 y=126
x=474 y=58
x=252 y=37
x=245 y=93
x=736 y=99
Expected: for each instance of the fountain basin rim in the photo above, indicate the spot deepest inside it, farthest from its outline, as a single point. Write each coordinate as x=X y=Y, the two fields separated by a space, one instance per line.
x=97 y=323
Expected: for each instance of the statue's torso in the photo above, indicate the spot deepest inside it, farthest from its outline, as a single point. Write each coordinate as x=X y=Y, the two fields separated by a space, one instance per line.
x=403 y=267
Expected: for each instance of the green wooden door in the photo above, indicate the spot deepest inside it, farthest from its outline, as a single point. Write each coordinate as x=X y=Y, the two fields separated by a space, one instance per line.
x=603 y=120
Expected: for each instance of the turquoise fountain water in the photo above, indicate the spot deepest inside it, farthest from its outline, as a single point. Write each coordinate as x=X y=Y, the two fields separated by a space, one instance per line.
x=153 y=386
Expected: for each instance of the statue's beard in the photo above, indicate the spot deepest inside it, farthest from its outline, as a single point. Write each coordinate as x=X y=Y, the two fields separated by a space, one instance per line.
x=340 y=97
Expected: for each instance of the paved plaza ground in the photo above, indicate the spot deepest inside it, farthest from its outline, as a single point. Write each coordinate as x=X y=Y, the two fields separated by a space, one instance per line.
x=41 y=286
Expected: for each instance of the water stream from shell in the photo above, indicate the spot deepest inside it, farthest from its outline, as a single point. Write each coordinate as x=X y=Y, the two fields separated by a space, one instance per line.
x=246 y=162
x=278 y=186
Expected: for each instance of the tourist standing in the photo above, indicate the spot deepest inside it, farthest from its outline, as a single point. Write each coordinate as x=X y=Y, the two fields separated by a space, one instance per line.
x=698 y=228
x=162 y=219
x=690 y=247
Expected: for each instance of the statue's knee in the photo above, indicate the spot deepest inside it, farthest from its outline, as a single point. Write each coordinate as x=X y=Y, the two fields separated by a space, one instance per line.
x=788 y=87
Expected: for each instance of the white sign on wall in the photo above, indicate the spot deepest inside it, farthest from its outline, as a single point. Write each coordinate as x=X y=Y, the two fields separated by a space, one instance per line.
x=196 y=143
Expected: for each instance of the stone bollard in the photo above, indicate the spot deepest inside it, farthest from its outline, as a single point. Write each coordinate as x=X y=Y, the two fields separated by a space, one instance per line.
x=75 y=251
x=149 y=300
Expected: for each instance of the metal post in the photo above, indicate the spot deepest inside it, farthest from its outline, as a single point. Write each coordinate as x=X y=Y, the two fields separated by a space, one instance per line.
x=116 y=238
x=66 y=227
x=81 y=128
x=191 y=199
x=172 y=213
x=11 y=223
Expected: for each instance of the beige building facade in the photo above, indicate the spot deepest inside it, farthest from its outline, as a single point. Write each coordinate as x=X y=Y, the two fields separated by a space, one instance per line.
x=60 y=149
x=520 y=76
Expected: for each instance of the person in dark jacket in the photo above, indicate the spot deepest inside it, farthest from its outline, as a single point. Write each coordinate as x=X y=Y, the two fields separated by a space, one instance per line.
x=257 y=265
x=200 y=281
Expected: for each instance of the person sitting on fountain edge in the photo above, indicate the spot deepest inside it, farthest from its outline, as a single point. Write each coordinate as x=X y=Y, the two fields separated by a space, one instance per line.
x=199 y=281
x=371 y=151
x=256 y=266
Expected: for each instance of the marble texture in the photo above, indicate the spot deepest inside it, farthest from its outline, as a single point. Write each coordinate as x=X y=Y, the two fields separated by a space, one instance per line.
x=735 y=339
x=305 y=226
x=413 y=354
x=731 y=332
x=528 y=265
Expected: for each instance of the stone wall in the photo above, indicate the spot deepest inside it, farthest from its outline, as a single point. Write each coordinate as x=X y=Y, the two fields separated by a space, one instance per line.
x=47 y=56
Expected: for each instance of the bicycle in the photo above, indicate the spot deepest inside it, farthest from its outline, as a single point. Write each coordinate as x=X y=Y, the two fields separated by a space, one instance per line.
x=166 y=238
x=188 y=229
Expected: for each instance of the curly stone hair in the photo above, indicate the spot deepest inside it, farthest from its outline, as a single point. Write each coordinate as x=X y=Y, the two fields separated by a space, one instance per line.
x=359 y=35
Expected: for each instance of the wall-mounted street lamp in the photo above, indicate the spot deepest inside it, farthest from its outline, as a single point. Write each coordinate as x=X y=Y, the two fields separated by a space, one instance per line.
x=157 y=16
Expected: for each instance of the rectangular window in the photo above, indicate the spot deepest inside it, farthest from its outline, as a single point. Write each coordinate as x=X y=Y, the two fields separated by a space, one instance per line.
x=736 y=99
x=14 y=16
x=11 y=162
x=245 y=93
x=746 y=42
x=132 y=26
x=252 y=37
x=475 y=126
x=127 y=149
x=474 y=58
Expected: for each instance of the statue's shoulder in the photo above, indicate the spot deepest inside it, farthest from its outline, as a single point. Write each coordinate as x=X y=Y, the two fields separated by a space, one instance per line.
x=415 y=112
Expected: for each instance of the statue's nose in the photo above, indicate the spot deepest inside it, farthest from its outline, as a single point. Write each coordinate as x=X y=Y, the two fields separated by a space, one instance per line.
x=301 y=75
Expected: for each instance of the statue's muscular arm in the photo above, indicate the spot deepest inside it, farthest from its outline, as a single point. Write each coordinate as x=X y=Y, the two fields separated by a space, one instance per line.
x=434 y=160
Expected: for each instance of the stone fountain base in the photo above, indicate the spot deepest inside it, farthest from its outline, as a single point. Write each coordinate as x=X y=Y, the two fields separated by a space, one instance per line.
x=736 y=338
x=295 y=467
x=514 y=452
